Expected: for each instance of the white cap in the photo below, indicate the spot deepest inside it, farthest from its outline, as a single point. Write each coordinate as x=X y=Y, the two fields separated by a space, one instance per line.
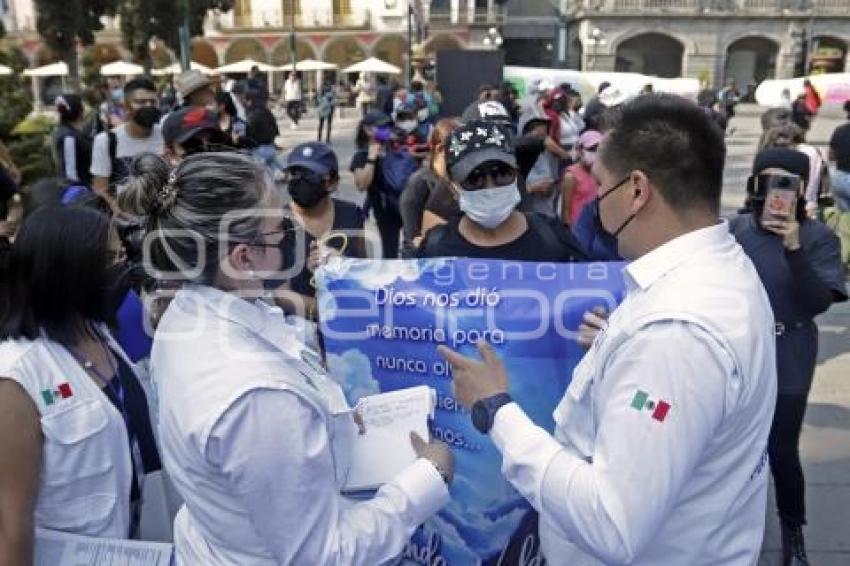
x=612 y=96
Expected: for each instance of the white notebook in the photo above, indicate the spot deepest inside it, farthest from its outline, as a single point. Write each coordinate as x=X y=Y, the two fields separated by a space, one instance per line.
x=385 y=449
x=54 y=548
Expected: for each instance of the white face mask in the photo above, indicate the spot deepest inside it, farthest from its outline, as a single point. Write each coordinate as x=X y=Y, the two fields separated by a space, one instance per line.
x=490 y=207
x=407 y=126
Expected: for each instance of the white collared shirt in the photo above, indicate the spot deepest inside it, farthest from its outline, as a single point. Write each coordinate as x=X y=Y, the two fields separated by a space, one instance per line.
x=659 y=453
x=246 y=429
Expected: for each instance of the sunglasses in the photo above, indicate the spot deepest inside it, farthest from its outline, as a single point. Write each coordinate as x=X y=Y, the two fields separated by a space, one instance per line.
x=499 y=173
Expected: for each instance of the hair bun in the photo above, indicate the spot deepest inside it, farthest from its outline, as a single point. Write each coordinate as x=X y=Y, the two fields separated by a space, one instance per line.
x=166 y=196
x=149 y=190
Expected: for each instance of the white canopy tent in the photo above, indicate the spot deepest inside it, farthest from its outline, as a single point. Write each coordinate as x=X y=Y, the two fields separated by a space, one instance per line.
x=4 y=70
x=244 y=66
x=308 y=65
x=176 y=69
x=373 y=65
x=59 y=69
x=121 y=69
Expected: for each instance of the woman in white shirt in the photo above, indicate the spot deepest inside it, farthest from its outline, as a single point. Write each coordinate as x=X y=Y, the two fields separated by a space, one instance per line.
x=572 y=123
x=75 y=433
x=247 y=416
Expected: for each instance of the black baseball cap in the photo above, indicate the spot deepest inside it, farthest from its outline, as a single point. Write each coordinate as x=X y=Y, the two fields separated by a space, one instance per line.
x=474 y=143
x=487 y=111
x=315 y=156
x=183 y=124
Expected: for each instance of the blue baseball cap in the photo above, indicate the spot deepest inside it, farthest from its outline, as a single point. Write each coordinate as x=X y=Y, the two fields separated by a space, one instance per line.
x=315 y=156
x=377 y=118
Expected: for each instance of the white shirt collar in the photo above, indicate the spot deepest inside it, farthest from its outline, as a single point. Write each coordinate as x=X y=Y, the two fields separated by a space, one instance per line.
x=255 y=315
x=651 y=267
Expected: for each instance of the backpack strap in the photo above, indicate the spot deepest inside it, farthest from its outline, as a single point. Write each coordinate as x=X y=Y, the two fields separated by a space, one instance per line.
x=113 y=144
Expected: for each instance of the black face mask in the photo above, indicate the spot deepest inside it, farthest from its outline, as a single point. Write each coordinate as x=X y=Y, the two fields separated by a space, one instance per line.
x=287 y=254
x=559 y=105
x=599 y=200
x=146 y=117
x=305 y=193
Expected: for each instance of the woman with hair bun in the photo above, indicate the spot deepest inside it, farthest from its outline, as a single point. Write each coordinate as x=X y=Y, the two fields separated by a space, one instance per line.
x=247 y=416
x=71 y=149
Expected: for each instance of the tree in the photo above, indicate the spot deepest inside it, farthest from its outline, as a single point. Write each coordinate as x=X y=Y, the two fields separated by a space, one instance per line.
x=144 y=20
x=15 y=95
x=62 y=23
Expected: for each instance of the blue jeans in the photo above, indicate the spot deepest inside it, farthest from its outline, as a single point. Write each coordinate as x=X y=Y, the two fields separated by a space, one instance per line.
x=841 y=189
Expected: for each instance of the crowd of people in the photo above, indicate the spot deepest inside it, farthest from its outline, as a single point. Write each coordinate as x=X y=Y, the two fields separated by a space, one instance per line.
x=162 y=256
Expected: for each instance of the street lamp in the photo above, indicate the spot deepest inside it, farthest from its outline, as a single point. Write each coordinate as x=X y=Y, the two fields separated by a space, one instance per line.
x=597 y=38
x=493 y=38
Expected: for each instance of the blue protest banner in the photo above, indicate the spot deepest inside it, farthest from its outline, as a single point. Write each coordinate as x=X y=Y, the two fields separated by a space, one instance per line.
x=381 y=324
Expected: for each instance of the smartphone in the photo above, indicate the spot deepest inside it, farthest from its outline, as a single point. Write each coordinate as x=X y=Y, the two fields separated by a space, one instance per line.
x=781 y=194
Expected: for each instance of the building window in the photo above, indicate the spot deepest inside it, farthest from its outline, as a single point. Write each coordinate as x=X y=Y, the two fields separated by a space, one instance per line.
x=242 y=13
x=290 y=6
x=342 y=7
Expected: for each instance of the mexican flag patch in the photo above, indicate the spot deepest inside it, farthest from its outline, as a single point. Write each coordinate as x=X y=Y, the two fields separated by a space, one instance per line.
x=62 y=391
x=658 y=407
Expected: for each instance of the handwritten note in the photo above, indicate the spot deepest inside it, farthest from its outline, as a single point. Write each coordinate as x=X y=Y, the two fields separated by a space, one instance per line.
x=384 y=449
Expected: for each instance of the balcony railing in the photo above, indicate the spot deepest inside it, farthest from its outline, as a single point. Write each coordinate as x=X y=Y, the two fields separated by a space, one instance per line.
x=480 y=17
x=774 y=7
x=318 y=19
x=349 y=20
x=654 y=4
x=832 y=6
x=440 y=17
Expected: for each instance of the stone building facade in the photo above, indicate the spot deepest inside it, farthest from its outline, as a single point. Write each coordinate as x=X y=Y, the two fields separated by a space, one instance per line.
x=715 y=40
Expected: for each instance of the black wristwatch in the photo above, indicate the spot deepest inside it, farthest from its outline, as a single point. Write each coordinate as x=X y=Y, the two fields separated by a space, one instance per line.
x=484 y=411
x=372 y=161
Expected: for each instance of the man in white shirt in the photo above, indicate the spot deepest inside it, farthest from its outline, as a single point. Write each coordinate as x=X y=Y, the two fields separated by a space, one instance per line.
x=659 y=451
x=292 y=94
x=112 y=152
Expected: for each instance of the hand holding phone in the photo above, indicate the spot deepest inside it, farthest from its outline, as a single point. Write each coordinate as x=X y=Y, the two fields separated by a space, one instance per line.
x=781 y=195
x=780 y=207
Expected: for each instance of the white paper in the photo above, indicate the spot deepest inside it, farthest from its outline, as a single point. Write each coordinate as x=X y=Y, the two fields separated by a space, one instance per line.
x=385 y=449
x=54 y=548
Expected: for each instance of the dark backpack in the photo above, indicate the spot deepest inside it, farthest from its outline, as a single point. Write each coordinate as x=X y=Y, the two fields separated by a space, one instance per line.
x=397 y=166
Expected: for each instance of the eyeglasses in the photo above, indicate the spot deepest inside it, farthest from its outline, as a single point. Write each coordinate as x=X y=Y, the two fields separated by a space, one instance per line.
x=499 y=173
x=264 y=244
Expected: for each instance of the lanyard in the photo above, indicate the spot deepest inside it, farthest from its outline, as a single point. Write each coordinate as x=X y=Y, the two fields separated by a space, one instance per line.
x=117 y=392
